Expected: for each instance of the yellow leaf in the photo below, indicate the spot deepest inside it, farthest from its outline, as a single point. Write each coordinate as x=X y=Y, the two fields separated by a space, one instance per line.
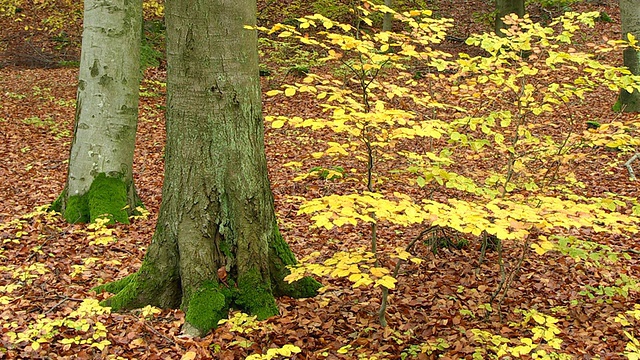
x=387 y=281
x=189 y=355
x=379 y=272
x=277 y=124
x=273 y=92
x=285 y=34
x=137 y=342
x=344 y=349
x=290 y=91
x=538 y=318
x=384 y=47
x=35 y=345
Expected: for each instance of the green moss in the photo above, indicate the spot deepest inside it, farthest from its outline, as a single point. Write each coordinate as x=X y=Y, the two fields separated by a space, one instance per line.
x=57 y=204
x=305 y=287
x=77 y=209
x=127 y=291
x=282 y=249
x=617 y=107
x=115 y=286
x=254 y=295
x=208 y=305
x=108 y=196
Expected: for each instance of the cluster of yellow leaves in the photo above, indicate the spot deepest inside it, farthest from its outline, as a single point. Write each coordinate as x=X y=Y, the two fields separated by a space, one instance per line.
x=25 y=273
x=504 y=218
x=286 y=351
x=356 y=265
x=629 y=319
x=544 y=337
x=99 y=233
x=615 y=135
x=84 y=321
x=241 y=323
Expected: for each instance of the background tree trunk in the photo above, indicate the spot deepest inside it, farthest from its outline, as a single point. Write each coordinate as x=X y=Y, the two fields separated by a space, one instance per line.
x=504 y=8
x=216 y=242
x=630 y=17
x=100 y=179
x=387 y=22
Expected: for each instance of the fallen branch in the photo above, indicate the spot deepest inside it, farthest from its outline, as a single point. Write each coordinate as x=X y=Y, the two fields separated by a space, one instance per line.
x=629 y=168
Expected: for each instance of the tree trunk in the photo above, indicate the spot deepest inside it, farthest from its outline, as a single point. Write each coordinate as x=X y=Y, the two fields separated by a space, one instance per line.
x=387 y=21
x=504 y=8
x=216 y=243
x=100 y=179
x=630 y=17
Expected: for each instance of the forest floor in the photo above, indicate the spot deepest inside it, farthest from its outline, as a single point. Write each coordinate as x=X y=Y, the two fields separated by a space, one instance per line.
x=47 y=267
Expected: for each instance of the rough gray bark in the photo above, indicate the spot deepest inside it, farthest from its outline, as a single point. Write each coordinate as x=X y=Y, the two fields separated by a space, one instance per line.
x=504 y=8
x=216 y=242
x=630 y=17
x=106 y=113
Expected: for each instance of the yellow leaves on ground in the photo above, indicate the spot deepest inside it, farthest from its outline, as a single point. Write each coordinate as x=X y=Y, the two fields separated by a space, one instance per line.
x=543 y=246
x=81 y=326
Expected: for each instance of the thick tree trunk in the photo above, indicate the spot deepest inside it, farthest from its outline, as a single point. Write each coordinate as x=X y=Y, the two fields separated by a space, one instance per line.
x=216 y=243
x=504 y=8
x=99 y=179
x=630 y=17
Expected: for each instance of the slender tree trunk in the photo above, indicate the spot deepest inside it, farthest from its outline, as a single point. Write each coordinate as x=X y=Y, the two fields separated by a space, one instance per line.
x=630 y=17
x=216 y=242
x=387 y=22
x=100 y=179
x=504 y=8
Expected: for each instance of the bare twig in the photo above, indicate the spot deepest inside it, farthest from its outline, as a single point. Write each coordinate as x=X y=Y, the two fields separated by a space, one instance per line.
x=385 y=291
x=65 y=299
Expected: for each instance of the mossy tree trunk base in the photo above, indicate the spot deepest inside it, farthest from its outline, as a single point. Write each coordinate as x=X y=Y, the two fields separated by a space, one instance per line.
x=107 y=197
x=158 y=283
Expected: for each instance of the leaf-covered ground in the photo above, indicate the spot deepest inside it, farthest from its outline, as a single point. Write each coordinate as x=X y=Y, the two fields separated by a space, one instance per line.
x=47 y=267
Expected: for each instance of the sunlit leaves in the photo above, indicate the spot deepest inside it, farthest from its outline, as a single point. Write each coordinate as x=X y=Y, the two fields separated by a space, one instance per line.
x=81 y=327
x=355 y=266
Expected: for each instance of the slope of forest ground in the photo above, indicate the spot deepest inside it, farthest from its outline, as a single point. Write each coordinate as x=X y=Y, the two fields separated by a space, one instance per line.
x=47 y=267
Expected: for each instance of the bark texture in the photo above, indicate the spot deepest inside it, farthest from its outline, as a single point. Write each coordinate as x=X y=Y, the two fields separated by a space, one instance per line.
x=106 y=114
x=216 y=243
x=630 y=17
x=504 y=8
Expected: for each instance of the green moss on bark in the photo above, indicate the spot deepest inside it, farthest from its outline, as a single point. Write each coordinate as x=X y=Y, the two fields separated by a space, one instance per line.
x=115 y=286
x=254 y=295
x=76 y=210
x=127 y=292
x=208 y=305
x=57 y=204
x=107 y=197
x=303 y=288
